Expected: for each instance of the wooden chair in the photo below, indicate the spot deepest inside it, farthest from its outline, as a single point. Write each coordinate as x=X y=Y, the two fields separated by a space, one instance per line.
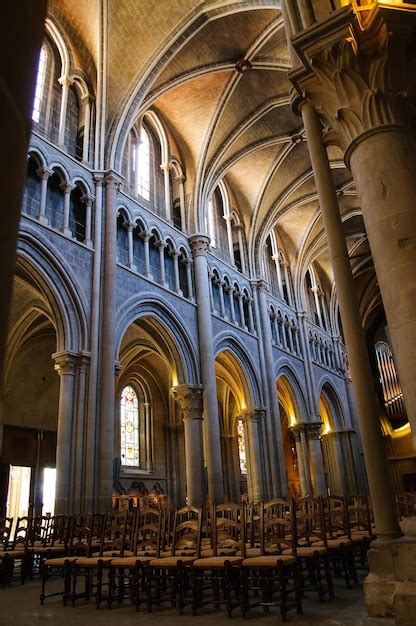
x=79 y=544
x=221 y=567
x=18 y=553
x=361 y=531
x=169 y=576
x=313 y=558
x=146 y=547
x=339 y=543
x=273 y=572
x=112 y=545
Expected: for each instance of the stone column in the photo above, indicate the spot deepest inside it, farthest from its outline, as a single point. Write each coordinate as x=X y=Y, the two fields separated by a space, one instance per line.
x=381 y=491
x=87 y=121
x=241 y=308
x=189 y=399
x=188 y=265
x=181 y=182
x=313 y=436
x=146 y=238
x=251 y=419
x=65 y=82
x=20 y=22
x=89 y=480
x=303 y=462
x=43 y=173
x=221 y=290
x=199 y=246
x=88 y=200
x=67 y=187
x=239 y=228
x=108 y=356
x=130 y=227
x=230 y=291
x=79 y=442
x=175 y=255
x=161 y=246
x=166 y=167
x=277 y=459
x=65 y=365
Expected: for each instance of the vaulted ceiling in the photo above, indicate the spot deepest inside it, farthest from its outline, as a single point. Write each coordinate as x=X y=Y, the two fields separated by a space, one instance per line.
x=179 y=58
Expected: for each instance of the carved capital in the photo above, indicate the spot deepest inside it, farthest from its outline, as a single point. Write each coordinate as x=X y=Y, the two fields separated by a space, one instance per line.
x=313 y=430
x=189 y=399
x=65 y=363
x=253 y=414
x=199 y=245
x=357 y=70
x=44 y=173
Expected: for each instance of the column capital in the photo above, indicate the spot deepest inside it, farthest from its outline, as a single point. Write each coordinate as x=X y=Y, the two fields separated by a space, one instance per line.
x=65 y=362
x=66 y=186
x=44 y=172
x=355 y=71
x=112 y=180
x=189 y=399
x=253 y=414
x=180 y=178
x=165 y=167
x=87 y=199
x=260 y=285
x=199 y=244
x=65 y=81
x=313 y=429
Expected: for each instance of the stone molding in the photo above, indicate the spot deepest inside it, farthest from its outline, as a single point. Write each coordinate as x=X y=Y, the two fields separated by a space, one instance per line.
x=65 y=362
x=189 y=399
x=199 y=244
x=356 y=71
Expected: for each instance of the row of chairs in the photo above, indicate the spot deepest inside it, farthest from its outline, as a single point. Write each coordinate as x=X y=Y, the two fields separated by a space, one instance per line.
x=34 y=540
x=267 y=553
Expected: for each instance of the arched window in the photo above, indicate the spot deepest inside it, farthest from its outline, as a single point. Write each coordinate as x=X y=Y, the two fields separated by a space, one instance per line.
x=77 y=214
x=129 y=427
x=170 y=266
x=122 y=240
x=242 y=447
x=138 y=248
x=141 y=161
x=211 y=222
x=55 y=201
x=183 y=273
x=40 y=86
x=31 y=198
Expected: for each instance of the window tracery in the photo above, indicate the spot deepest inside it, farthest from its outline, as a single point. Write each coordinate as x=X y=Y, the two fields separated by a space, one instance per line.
x=129 y=427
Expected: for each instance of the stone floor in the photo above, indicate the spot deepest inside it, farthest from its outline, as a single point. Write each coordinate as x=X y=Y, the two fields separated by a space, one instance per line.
x=19 y=605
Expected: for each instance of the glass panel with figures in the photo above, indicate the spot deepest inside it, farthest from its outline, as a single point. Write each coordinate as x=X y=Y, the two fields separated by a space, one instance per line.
x=242 y=447
x=129 y=427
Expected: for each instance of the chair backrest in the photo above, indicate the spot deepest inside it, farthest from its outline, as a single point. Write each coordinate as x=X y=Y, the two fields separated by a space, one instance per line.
x=335 y=513
x=278 y=527
x=359 y=515
x=81 y=534
x=229 y=528
x=59 y=530
x=22 y=532
x=6 y=524
x=310 y=522
x=254 y=523
x=148 y=531
x=187 y=531
x=114 y=532
x=39 y=531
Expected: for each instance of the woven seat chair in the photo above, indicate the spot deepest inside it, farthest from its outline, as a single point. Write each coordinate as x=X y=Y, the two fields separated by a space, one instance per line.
x=339 y=542
x=273 y=573
x=17 y=554
x=146 y=546
x=219 y=571
x=79 y=544
x=361 y=530
x=313 y=558
x=169 y=577
x=112 y=545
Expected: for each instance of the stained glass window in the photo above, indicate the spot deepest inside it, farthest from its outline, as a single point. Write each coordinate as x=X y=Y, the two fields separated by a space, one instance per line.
x=40 y=83
x=242 y=447
x=129 y=427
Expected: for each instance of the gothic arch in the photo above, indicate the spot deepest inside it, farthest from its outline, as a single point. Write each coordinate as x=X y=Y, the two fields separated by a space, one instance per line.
x=231 y=345
x=175 y=342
